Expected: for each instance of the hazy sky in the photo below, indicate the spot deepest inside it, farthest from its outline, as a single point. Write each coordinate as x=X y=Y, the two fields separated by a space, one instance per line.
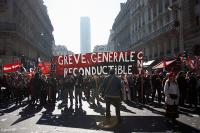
x=65 y=17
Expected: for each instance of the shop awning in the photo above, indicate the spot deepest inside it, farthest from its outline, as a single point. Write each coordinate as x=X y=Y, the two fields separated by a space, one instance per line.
x=148 y=63
x=161 y=64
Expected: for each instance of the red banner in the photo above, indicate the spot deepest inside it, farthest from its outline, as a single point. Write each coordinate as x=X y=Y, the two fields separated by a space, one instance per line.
x=11 y=67
x=126 y=62
x=45 y=67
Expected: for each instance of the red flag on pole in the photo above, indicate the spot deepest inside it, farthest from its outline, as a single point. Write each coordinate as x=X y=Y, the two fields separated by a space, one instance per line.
x=12 y=67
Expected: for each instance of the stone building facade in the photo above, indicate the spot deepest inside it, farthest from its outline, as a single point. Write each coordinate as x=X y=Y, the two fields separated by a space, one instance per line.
x=121 y=28
x=150 y=26
x=25 y=30
x=60 y=50
x=111 y=43
x=100 y=48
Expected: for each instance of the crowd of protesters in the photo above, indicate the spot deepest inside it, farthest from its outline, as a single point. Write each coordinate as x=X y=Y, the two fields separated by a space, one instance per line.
x=41 y=88
x=19 y=86
x=145 y=89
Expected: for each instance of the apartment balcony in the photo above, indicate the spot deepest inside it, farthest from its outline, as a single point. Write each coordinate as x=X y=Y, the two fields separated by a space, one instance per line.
x=166 y=28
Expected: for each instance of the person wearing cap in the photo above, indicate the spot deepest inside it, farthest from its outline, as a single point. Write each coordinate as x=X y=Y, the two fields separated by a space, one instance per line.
x=172 y=94
x=112 y=93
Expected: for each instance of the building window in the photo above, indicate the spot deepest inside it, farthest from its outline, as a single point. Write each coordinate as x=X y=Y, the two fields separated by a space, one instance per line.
x=160 y=46
x=167 y=18
x=149 y=14
x=143 y=19
x=139 y=21
x=197 y=2
x=150 y=28
x=160 y=22
x=160 y=6
x=150 y=52
x=154 y=11
x=141 y=2
x=169 y=47
x=197 y=20
x=173 y=1
x=155 y=26
x=134 y=28
x=3 y=5
x=3 y=1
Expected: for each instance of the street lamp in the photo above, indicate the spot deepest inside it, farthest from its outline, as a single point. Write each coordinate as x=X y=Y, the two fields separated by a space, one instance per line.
x=42 y=34
x=173 y=7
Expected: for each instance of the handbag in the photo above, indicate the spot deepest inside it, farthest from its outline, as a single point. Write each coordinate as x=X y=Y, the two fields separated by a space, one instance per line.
x=172 y=96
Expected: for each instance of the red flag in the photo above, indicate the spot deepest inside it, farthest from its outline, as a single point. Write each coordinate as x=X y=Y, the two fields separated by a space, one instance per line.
x=190 y=62
x=45 y=67
x=12 y=67
x=164 y=63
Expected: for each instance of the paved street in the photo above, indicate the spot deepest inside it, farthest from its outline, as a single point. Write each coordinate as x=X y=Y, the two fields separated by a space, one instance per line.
x=136 y=118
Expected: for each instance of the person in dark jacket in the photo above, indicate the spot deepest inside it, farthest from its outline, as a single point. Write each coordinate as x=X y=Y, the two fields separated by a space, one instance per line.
x=52 y=90
x=112 y=92
x=78 y=88
x=156 y=86
x=44 y=90
x=138 y=84
x=37 y=84
x=147 y=88
x=131 y=84
x=182 y=84
x=68 y=89
x=192 y=83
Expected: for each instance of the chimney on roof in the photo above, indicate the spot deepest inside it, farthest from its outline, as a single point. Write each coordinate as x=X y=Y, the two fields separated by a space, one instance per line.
x=122 y=5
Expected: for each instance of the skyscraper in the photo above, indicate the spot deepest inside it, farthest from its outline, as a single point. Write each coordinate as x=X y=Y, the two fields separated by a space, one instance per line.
x=85 y=39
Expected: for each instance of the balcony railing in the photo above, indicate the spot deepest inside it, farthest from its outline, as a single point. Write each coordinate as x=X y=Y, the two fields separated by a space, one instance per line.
x=156 y=33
